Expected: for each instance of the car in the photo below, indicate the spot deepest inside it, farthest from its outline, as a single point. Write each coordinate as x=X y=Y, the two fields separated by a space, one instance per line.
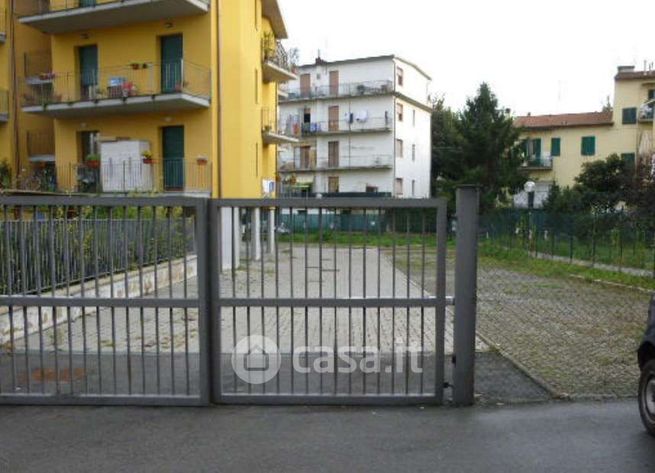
x=646 y=356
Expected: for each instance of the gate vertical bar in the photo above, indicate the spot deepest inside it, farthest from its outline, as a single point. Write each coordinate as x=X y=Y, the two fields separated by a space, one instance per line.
x=440 y=316
x=465 y=295
x=215 y=268
x=205 y=304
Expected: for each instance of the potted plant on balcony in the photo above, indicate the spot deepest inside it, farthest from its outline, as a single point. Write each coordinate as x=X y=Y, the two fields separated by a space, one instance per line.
x=147 y=157
x=202 y=160
x=92 y=161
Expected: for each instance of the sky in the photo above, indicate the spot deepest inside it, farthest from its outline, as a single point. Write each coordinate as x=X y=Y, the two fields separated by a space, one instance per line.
x=540 y=57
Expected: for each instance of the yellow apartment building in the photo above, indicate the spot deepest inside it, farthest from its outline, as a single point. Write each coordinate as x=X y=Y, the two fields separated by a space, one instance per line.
x=148 y=95
x=556 y=146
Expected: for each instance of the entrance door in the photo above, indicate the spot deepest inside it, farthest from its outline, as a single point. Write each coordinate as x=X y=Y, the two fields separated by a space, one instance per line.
x=172 y=54
x=173 y=154
x=333 y=117
x=334 y=83
x=305 y=85
x=88 y=67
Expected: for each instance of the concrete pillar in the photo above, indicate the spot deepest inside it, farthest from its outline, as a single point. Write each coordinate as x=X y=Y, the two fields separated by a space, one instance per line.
x=271 y=231
x=255 y=234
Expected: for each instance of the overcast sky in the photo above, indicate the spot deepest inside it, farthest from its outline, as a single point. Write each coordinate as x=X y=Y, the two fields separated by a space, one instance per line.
x=552 y=56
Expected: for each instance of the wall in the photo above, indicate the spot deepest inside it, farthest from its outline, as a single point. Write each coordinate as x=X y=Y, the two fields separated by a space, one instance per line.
x=418 y=134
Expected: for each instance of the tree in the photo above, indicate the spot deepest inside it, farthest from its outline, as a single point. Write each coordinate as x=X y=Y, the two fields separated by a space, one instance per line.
x=603 y=184
x=480 y=148
x=445 y=144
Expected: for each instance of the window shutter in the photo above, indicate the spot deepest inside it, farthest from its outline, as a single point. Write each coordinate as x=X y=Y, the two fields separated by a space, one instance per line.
x=555 y=146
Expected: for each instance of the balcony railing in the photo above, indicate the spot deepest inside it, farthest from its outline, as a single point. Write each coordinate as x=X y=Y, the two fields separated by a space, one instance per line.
x=133 y=176
x=272 y=132
x=350 y=125
x=61 y=16
x=40 y=177
x=181 y=84
x=647 y=111
x=3 y=25
x=538 y=162
x=278 y=64
x=37 y=66
x=40 y=143
x=4 y=105
x=354 y=89
x=336 y=163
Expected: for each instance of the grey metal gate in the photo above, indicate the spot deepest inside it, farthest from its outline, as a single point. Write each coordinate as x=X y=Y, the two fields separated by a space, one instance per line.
x=184 y=301
x=328 y=300
x=100 y=301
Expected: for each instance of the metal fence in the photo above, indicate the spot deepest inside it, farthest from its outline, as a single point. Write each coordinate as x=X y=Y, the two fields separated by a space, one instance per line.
x=125 y=322
x=131 y=300
x=352 y=315
x=617 y=241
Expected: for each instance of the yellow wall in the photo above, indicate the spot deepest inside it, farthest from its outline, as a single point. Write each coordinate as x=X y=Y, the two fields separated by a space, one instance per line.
x=246 y=160
x=21 y=40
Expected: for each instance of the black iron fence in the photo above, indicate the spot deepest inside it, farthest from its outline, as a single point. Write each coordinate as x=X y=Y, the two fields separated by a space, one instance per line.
x=618 y=240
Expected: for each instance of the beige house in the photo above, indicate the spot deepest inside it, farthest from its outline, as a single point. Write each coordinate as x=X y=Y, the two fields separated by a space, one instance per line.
x=556 y=146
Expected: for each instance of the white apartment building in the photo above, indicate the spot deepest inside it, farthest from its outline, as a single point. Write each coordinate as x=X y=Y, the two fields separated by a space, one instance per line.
x=363 y=127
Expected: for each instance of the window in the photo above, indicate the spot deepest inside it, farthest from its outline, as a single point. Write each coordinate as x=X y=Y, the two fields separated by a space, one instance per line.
x=398 y=187
x=399 y=148
x=629 y=158
x=413 y=188
x=413 y=152
x=651 y=94
x=555 y=146
x=630 y=116
x=400 y=111
x=400 y=73
x=333 y=154
x=333 y=184
x=588 y=146
x=414 y=117
x=371 y=189
x=536 y=148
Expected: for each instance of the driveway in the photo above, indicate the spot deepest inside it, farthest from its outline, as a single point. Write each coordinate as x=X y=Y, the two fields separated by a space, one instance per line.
x=551 y=437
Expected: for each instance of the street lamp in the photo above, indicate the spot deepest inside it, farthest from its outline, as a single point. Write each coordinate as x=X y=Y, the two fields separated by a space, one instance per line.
x=529 y=189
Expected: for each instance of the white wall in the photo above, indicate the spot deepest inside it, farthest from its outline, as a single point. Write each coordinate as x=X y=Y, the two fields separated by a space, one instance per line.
x=414 y=133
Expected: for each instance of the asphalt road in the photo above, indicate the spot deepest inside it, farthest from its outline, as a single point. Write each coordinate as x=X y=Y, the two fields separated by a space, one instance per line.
x=554 y=437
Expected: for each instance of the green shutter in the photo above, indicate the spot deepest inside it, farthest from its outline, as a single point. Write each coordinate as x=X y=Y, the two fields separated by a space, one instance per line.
x=588 y=146
x=88 y=61
x=651 y=94
x=555 y=146
x=173 y=154
x=630 y=116
x=172 y=52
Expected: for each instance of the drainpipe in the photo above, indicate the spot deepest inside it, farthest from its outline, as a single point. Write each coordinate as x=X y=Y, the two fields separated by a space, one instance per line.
x=219 y=98
x=14 y=85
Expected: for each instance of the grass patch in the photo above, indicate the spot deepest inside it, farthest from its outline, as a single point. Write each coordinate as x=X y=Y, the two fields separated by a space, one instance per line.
x=518 y=260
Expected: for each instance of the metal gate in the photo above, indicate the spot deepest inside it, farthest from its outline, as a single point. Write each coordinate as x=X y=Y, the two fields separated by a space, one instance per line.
x=185 y=301
x=101 y=302
x=328 y=300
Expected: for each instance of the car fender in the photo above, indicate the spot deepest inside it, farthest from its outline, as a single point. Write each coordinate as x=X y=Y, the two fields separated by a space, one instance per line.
x=646 y=350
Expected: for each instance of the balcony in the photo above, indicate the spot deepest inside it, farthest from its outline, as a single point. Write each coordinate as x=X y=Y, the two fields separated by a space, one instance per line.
x=3 y=25
x=137 y=88
x=354 y=89
x=271 y=133
x=4 y=106
x=352 y=125
x=65 y=16
x=188 y=176
x=334 y=163
x=41 y=146
x=647 y=111
x=277 y=64
x=37 y=66
x=538 y=163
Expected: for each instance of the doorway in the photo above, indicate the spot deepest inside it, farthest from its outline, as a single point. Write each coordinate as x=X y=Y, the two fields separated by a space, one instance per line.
x=172 y=55
x=173 y=157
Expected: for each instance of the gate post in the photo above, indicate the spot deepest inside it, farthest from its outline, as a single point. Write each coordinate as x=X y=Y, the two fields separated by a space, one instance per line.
x=466 y=272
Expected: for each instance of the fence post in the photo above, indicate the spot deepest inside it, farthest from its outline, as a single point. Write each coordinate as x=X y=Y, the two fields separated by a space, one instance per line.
x=466 y=265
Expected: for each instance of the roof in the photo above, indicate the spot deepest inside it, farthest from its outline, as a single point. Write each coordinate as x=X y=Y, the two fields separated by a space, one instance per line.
x=368 y=59
x=564 y=120
x=271 y=10
x=634 y=75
